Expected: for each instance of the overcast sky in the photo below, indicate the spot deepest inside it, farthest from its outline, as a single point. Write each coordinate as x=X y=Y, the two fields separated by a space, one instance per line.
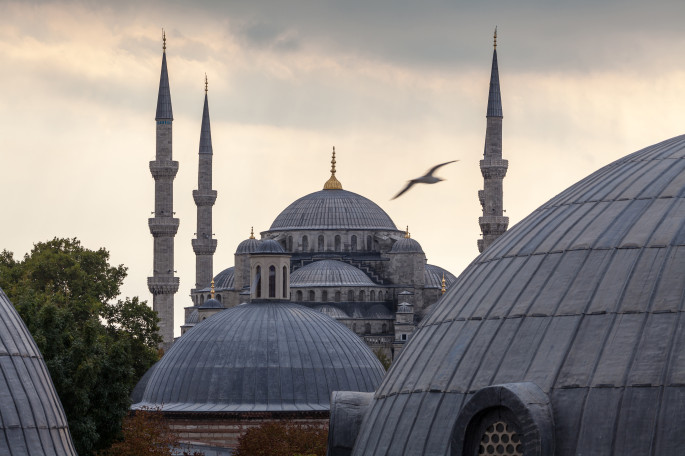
x=395 y=86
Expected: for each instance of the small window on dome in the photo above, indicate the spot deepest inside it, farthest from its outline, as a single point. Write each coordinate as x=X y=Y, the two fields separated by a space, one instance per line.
x=311 y=295
x=353 y=243
x=337 y=243
x=372 y=295
x=362 y=295
x=290 y=244
x=350 y=295
x=285 y=282
x=218 y=297
x=258 y=276
x=324 y=296
x=272 y=281
x=337 y=296
x=305 y=244
x=369 y=243
x=321 y=243
x=298 y=295
x=367 y=328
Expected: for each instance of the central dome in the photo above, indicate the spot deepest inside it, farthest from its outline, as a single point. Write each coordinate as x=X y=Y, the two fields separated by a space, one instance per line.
x=333 y=210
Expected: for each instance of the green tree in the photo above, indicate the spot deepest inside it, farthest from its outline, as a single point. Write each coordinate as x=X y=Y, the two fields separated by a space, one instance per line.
x=281 y=438
x=95 y=351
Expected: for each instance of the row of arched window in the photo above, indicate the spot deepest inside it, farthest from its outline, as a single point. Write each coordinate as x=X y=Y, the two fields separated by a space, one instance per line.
x=272 y=281
x=337 y=296
x=366 y=329
x=351 y=246
x=201 y=298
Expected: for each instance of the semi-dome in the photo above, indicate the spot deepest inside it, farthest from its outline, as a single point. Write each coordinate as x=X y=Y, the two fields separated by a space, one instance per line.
x=567 y=331
x=276 y=356
x=32 y=420
x=406 y=245
x=333 y=210
x=194 y=317
x=269 y=246
x=331 y=311
x=433 y=277
x=329 y=273
x=211 y=304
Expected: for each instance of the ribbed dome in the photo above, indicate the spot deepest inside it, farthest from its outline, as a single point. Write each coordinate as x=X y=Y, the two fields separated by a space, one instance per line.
x=194 y=317
x=261 y=357
x=329 y=273
x=584 y=298
x=433 y=277
x=406 y=245
x=269 y=246
x=333 y=209
x=211 y=304
x=331 y=311
x=248 y=246
x=379 y=311
x=32 y=420
x=224 y=279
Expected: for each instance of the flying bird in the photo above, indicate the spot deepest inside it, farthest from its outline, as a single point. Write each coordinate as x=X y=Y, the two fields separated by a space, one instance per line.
x=427 y=178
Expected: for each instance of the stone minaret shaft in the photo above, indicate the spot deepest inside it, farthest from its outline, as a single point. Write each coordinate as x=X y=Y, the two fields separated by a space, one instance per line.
x=204 y=245
x=493 y=223
x=163 y=285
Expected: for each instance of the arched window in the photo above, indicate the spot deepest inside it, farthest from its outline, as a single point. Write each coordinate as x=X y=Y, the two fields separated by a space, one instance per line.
x=385 y=328
x=353 y=243
x=218 y=297
x=285 y=282
x=258 y=279
x=311 y=295
x=362 y=295
x=350 y=295
x=305 y=244
x=321 y=243
x=367 y=328
x=290 y=244
x=337 y=296
x=324 y=296
x=369 y=243
x=387 y=295
x=272 y=281
x=372 y=295
x=337 y=243
x=202 y=299
x=298 y=295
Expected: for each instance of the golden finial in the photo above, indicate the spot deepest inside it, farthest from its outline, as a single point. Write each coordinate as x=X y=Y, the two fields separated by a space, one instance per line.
x=406 y=233
x=495 y=37
x=332 y=183
x=163 y=40
x=443 y=283
x=206 y=83
x=212 y=292
x=252 y=232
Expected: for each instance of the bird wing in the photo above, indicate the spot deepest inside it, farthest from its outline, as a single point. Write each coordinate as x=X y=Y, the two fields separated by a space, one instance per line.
x=432 y=170
x=409 y=184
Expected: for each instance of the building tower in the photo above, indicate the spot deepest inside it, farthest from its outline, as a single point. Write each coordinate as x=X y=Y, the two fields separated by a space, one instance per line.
x=493 y=223
x=164 y=225
x=204 y=245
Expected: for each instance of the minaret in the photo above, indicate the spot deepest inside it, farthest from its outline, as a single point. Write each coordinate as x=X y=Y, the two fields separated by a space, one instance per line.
x=493 y=224
x=204 y=245
x=164 y=225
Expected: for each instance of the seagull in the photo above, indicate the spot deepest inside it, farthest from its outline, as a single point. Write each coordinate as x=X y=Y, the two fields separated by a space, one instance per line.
x=427 y=178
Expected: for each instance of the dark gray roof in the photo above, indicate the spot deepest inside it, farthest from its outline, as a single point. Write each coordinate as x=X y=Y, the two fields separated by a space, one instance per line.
x=329 y=273
x=584 y=298
x=433 y=277
x=406 y=245
x=194 y=317
x=269 y=246
x=379 y=311
x=331 y=311
x=32 y=420
x=205 y=130
x=494 y=97
x=275 y=356
x=222 y=281
x=248 y=246
x=164 y=97
x=211 y=304
x=333 y=209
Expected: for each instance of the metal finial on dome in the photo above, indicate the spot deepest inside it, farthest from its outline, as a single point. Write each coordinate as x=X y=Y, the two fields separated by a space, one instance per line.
x=495 y=37
x=332 y=183
x=206 y=83
x=163 y=40
x=443 y=283
x=406 y=233
x=252 y=232
x=212 y=289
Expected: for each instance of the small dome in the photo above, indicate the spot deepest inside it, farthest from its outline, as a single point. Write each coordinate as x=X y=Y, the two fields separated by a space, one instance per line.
x=329 y=273
x=211 y=304
x=269 y=246
x=222 y=281
x=332 y=312
x=33 y=421
x=194 y=317
x=433 y=277
x=267 y=356
x=378 y=311
x=333 y=210
x=248 y=246
x=406 y=245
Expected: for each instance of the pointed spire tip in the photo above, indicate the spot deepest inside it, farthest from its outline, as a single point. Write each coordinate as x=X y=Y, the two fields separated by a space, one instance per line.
x=163 y=40
x=332 y=183
x=206 y=83
x=495 y=37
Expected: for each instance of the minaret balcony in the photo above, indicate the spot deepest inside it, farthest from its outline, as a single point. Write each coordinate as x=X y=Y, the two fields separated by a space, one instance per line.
x=492 y=168
x=163 y=168
x=204 y=197
x=203 y=246
x=493 y=224
x=481 y=197
x=163 y=285
x=163 y=226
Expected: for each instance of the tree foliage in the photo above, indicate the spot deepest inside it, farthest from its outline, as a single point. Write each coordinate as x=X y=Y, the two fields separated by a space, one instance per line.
x=280 y=438
x=95 y=351
x=383 y=358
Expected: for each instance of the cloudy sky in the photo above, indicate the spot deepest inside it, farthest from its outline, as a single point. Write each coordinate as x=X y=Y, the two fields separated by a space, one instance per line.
x=395 y=86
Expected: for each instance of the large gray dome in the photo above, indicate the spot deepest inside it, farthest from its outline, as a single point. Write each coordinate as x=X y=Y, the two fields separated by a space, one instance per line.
x=333 y=210
x=32 y=420
x=329 y=273
x=576 y=313
x=261 y=357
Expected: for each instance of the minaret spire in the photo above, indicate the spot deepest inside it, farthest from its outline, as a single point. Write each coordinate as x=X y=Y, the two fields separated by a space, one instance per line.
x=332 y=183
x=163 y=226
x=204 y=245
x=493 y=223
